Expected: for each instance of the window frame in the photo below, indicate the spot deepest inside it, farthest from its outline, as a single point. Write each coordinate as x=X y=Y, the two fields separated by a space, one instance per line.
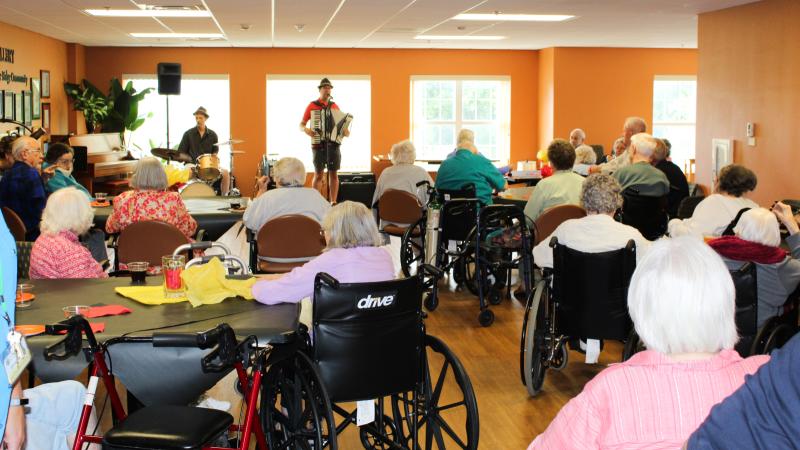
x=677 y=124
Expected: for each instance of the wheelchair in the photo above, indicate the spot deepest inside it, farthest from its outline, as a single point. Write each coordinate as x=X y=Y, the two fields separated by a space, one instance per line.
x=584 y=296
x=370 y=344
x=184 y=427
x=647 y=214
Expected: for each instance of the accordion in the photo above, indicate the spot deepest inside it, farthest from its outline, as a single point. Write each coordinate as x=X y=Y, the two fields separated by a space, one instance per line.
x=329 y=125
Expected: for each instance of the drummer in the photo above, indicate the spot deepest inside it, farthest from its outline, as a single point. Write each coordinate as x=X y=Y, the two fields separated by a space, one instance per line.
x=200 y=140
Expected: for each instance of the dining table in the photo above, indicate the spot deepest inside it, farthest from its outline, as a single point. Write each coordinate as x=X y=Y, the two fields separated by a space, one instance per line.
x=154 y=375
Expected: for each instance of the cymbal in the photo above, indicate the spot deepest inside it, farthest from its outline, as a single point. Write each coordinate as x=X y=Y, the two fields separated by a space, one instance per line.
x=173 y=155
x=229 y=142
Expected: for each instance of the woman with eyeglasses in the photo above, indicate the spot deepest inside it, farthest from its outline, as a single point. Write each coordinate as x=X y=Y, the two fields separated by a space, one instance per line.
x=62 y=157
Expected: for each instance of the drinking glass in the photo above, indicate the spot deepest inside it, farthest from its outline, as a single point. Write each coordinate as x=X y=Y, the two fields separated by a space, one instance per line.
x=172 y=267
x=138 y=270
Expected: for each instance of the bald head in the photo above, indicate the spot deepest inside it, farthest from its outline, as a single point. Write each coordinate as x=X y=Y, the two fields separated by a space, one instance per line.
x=576 y=137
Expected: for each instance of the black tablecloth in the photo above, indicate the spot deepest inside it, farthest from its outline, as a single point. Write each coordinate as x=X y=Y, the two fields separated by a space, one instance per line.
x=212 y=214
x=153 y=375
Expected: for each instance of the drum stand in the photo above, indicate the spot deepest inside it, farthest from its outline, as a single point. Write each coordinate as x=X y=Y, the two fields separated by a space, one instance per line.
x=233 y=191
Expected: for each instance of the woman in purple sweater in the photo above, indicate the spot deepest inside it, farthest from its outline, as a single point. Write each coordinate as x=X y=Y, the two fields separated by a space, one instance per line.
x=353 y=254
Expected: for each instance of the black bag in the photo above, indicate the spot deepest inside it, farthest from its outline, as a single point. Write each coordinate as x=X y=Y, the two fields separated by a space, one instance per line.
x=729 y=229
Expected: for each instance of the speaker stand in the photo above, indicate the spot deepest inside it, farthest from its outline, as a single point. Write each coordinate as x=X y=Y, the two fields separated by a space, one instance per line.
x=168 y=122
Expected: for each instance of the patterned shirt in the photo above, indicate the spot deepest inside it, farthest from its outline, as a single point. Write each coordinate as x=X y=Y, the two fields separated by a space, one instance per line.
x=22 y=190
x=61 y=255
x=135 y=206
x=647 y=402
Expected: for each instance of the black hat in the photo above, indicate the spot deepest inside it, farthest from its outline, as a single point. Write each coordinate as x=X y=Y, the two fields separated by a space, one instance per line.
x=324 y=82
x=202 y=111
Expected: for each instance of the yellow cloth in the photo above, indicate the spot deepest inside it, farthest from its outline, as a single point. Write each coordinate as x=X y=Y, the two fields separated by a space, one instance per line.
x=205 y=285
x=177 y=175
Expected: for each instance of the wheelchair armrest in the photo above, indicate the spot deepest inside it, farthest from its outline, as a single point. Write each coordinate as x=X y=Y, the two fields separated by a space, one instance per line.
x=201 y=234
x=432 y=270
x=326 y=278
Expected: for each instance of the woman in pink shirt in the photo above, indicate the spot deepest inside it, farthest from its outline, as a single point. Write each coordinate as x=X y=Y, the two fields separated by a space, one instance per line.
x=353 y=255
x=681 y=300
x=57 y=253
x=150 y=200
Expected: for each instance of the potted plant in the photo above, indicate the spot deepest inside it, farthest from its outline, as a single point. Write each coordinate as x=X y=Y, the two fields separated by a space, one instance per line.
x=91 y=102
x=123 y=115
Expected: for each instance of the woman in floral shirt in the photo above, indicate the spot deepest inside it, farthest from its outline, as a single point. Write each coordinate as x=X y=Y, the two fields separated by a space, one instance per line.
x=57 y=253
x=150 y=201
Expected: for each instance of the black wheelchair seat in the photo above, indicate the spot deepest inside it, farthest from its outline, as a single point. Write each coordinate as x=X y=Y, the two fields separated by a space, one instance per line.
x=168 y=427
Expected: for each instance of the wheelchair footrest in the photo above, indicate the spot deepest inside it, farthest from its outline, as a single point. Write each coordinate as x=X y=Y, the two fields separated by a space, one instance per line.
x=168 y=428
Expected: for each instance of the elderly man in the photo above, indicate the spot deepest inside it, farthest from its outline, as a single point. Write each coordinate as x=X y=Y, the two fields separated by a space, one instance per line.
x=576 y=137
x=633 y=125
x=467 y=168
x=22 y=187
x=640 y=175
x=678 y=185
x=563 y=187
x=598 y=231
x=201 y=140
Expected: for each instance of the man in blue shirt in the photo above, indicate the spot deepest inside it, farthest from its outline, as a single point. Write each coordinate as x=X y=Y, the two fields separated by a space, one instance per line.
x=467 y=167
x=22 y=187
x=8 y=271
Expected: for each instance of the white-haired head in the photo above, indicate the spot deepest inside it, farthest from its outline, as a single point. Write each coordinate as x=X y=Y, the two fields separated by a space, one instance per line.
x=290 y=172
x=633 y=125
x=584 y=154
x=149 y=175
x=67 y=209
x=27 y=149
x=403 y=152
x=759 y=225
x=681 y=298
x=349 y=225
x=644 y=145
x=576 y=137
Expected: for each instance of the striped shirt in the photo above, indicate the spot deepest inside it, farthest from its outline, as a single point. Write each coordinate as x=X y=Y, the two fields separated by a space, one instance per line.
x=62 y=256
x=647 y=402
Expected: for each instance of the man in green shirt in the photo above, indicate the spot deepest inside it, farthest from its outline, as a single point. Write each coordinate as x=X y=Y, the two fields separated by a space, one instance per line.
x=562 y=187
x=467 y=167
x=640 y=174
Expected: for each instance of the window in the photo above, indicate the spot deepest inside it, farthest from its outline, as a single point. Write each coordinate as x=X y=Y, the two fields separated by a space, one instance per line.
x=209 y=91
x=287 y=99
x=674 y=115
x=442 y=106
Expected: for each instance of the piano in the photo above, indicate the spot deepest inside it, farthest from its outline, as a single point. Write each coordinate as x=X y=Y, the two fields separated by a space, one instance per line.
x=108 y=167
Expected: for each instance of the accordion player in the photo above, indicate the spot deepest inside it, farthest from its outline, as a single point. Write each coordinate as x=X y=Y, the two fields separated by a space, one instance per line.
x=330 y=125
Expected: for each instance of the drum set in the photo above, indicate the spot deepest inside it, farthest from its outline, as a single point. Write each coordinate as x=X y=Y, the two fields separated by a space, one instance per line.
x=206 y=169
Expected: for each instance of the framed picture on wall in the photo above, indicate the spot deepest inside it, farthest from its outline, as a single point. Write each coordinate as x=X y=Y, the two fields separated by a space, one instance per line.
x=18 y=106
x=37 y=97
x=46 y=117
x=44 y=76
x=27 y=108
x=8 y=105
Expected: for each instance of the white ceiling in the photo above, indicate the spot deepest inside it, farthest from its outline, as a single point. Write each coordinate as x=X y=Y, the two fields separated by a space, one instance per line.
x=375 y=23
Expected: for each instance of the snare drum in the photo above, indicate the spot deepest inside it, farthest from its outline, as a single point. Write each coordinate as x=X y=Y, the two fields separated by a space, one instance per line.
x=207 y=168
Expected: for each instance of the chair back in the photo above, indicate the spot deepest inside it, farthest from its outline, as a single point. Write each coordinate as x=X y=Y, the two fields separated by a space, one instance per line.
x=197 y=189
x=24 y=259
x=396 y=206
x=293 y=236
x=549 y=220
x=368 y=337
x=599 y=153
x=459 y=213
x=148 y=240
x=744 y=280
x=687 y=206
x=646 y=214
x=15 y=224
x=591 y=291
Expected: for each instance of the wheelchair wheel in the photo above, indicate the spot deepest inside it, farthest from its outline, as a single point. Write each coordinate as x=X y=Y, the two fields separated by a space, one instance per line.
x=534 y=352
x=486 y=317
x=447 y=410
x=779 y=336
x=376 y=437
x=431 y=302
x=496 y=277
x=412 y=250
x=495 y=296
x=295 y=409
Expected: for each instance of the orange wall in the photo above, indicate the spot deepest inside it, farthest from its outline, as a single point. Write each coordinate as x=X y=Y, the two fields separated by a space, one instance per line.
x=34 y=52
x=546 y=96
x=749 y=61
x=390 y=72
x=597 y=88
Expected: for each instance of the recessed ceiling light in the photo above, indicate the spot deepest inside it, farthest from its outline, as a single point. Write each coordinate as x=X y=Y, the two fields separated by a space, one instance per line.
x=149 y=12
x=465 y=37
x=179 y=35
x=497 y=17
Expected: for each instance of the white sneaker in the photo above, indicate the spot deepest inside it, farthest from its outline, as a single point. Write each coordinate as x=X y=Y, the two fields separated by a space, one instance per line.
x=212 y=403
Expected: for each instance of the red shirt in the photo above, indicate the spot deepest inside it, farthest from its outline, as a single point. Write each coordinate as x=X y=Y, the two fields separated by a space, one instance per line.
x=313 y=106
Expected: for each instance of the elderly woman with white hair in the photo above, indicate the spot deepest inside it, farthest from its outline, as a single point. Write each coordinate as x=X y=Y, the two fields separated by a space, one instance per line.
x=757 y=239
x=585 y=157
x=598 y=232
x=681 y=300
x=57 y=253
x=150 y=200
x=290 y=197
x=403 y=175
x=353 y=254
